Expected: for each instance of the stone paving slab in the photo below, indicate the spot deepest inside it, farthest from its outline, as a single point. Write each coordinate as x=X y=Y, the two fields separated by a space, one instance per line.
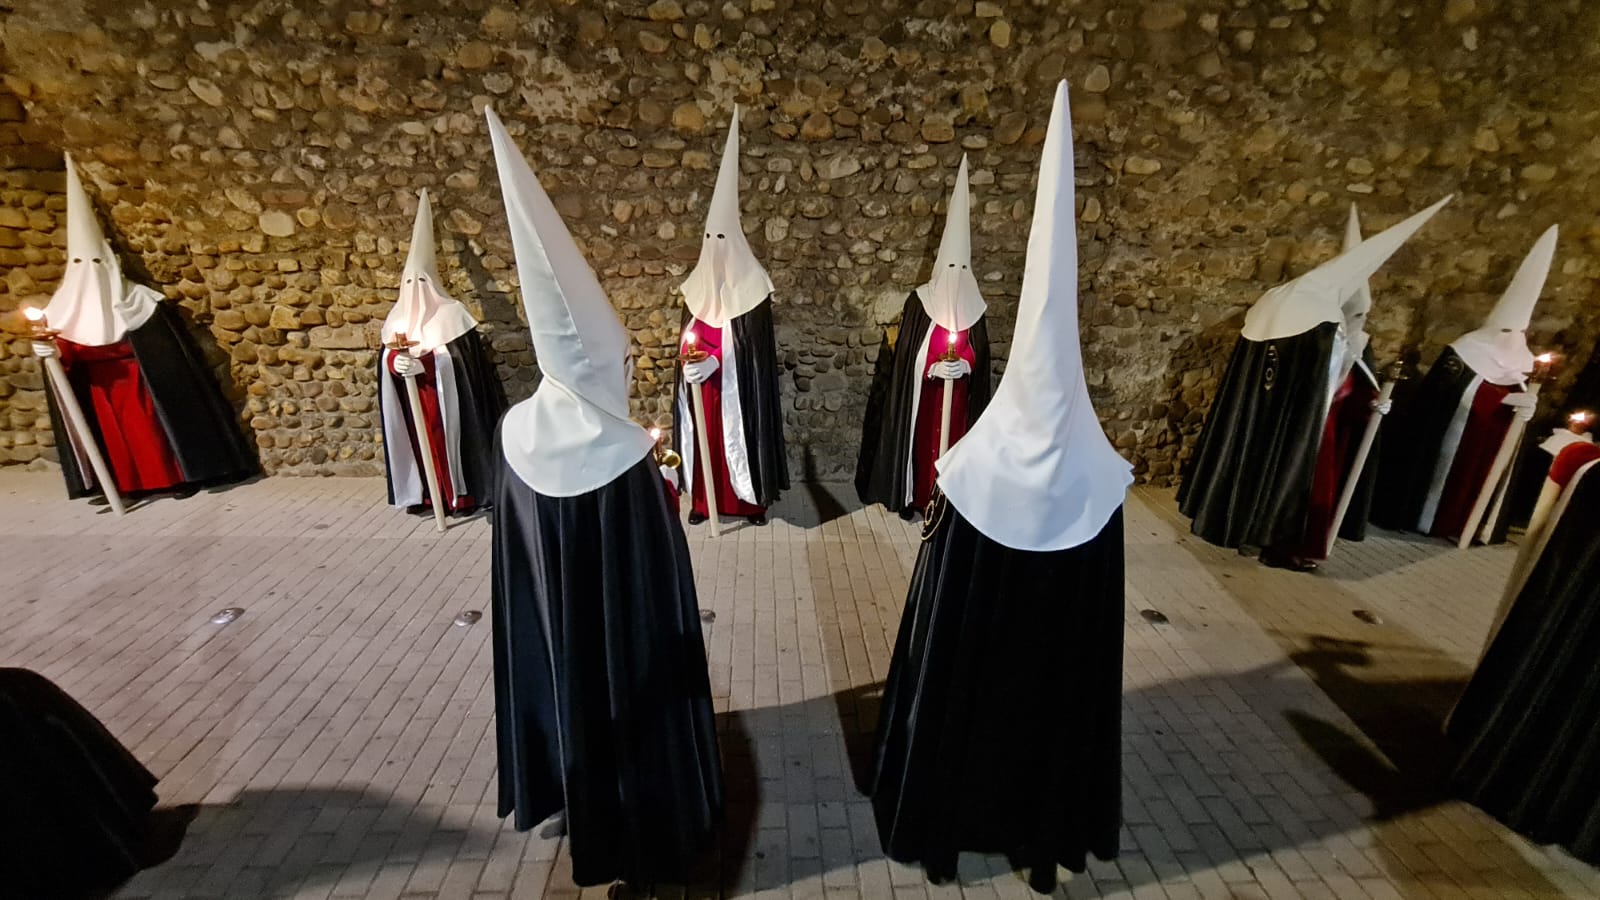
x=338 y=737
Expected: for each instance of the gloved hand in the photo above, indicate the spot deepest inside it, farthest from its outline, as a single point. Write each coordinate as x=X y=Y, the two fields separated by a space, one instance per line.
x=700 y=372
x=1382 y=407
x=1522 y=405
x=406 y=365
x=43 y=349
x=950 y=370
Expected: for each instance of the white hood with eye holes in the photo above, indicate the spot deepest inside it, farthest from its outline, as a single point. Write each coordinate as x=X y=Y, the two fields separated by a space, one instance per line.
x=1499 y=350
x=728 y=281
x=94 y=306
x=951 y=297
x=424 y=312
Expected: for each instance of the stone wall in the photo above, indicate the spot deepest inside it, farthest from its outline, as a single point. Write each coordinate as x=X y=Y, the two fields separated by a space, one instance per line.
x=258 y=161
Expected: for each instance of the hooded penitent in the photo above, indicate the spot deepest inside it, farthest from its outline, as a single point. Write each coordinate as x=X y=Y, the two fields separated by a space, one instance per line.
x=1036 y=472
x=1259 y=459
x=726 y=308
x=1458 y=415
x=899 y=435
x=1353 y=337
x=1013 y=621
x=602 y=697
x=461 y=397
x=95 y=305
x=147 y=391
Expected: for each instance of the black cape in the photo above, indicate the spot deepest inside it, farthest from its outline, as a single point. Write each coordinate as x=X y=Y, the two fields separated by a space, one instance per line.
x=760 y=402
x=1412 y=451
x=199 y=423
x=482 y=403
x=887 y=431
x=74 y=803
x=1000 y=729
x=602 y=697
x=1528 y=724
x=1249 y=482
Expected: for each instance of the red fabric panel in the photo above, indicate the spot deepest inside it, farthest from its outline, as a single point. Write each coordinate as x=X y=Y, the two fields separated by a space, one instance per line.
x=428 y=394
x=728 y=502
x=925 y=440
x=121 y=410
x=1572 y=458
x=1348 y=415
x=1487 y=424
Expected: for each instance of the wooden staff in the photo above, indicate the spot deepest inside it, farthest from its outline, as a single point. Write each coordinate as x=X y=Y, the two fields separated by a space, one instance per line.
x=1497 y=471
x=1362 y=450
x=949 y=393
x=78 y=431
x=402 y=344
x=697 y=398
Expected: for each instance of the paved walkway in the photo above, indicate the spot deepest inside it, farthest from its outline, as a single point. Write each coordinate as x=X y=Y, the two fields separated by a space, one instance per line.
x=338 y=736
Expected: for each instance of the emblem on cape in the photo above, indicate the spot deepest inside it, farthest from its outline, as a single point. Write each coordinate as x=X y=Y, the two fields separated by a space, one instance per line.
x=933 y=516
x=1270 y=376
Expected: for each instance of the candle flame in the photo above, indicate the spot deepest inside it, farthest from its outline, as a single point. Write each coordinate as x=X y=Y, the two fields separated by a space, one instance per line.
x=690 y=337
x=33 y=314
x=655 y=434
x=951 y=338
x=1580 y=417
x=1546 y=358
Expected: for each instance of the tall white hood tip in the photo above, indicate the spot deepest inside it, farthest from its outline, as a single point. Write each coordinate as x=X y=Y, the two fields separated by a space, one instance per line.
x=727 y=281
x=1036 y=472
x=1359 y=301
x=94 y=305
x=951 y=297
x=1498 y=351
x=422 y=311
x=574 y=434
x=1318 y=296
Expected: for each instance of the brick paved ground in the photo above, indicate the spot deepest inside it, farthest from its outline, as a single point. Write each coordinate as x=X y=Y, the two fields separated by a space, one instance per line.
x=338 y=737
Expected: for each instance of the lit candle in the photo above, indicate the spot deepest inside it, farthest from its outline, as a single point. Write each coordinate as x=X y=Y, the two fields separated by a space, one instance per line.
x=689 y=337
x=35 y=316
x=655 y=435
x=1579 y=422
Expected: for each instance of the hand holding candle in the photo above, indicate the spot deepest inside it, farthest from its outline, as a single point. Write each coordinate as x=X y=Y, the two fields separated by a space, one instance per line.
x=78 y=431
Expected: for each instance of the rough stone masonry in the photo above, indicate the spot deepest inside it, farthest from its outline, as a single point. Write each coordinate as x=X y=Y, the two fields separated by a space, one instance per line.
x=258 y=162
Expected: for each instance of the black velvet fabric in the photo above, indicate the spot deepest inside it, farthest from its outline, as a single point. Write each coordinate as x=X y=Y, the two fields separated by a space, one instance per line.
x=1528 y=724
x=482 y=403
x=1422 y=414
x=1000 y=729
x=602 y=698
x=886 y=431
x=74 y=803
x=1249 y=482
x=760 y=402
x=199 y=423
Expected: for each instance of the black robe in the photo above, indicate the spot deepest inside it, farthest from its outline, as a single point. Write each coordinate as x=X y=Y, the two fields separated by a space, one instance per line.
x=482 y=401
x=760 y=402
x=602 y=697
x=1528 y=724
x=1000 y=729
x=887 y=431
x=1412 y=452
x=1249 y=482
x=74 y=803
x=199 y=423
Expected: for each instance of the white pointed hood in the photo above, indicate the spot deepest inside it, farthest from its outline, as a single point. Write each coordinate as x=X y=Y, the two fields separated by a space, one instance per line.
x=94 y=305
x=1319 y=295
x=951 y=297
x=728 y=281
x=423 y=311
x=1357 y=305
x=574 y=434
x=1036 y=472
x=1499 y=350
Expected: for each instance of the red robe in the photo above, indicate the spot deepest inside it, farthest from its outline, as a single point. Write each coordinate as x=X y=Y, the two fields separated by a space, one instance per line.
x=118 y=405
x=709 y=340
x=1487 y=423
x=925 y=437
x=1348 y=414
x=1572 y=458
x=428 y=394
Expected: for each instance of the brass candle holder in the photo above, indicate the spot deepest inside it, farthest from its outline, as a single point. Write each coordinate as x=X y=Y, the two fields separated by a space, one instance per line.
x=950 y=354
x=401 y=341
x=38 y=325
x=665 y=456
